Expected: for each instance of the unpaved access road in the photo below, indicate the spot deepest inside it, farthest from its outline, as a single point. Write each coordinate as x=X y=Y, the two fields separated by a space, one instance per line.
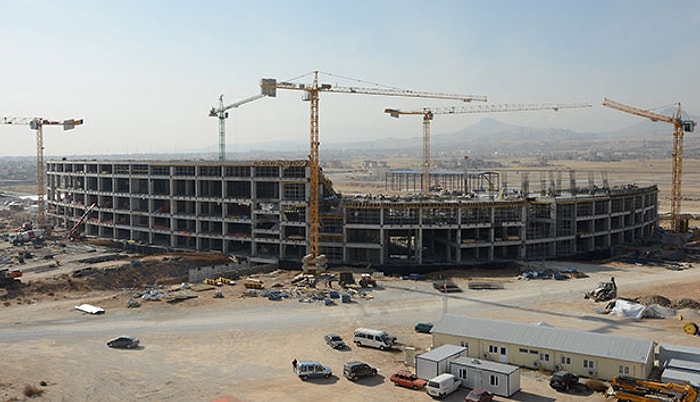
x=203 y=349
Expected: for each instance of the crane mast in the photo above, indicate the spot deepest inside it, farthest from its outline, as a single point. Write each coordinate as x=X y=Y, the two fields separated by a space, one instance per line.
x=428 y=114
x=222 y=113
x=269 y=88
x=680 y=126
x=37 y=123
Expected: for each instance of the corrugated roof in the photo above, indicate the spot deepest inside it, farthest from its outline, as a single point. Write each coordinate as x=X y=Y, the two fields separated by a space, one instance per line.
x=536 y=336
x=684 y=365
x=681 y=376
x=486 y=365
x=442 y=352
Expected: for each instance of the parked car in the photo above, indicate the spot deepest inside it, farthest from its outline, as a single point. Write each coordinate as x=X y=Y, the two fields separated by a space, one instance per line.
x=563 y=380
x=479 y=395
x=423 y=327
x=306 y=369
x=123 y=342
x=353 y=371
x=407 y=379
x=335 y=341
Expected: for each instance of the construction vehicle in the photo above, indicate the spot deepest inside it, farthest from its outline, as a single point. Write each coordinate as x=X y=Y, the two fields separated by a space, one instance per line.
x=640 y=390
x=367 y=281
x=680 y=127
x=24 y=227
x=691 y=328
x=10 y=278
x=603 y=292
x=428 y=113
x=312 y=92
x=73 y=234
x=253 y=283
x=222 y=113
x=36 y=236
x=37 y=123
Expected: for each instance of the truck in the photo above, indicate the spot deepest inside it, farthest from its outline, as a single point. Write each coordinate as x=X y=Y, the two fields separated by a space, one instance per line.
x=35 y=236
x=632 y=389
x=9 y=278
x=367 y=281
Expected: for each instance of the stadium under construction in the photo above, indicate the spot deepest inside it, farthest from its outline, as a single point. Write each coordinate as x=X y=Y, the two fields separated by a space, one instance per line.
x=259 y=210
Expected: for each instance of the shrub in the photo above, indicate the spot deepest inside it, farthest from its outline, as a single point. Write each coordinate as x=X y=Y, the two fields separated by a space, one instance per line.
x=32 y=391
x=596 y=385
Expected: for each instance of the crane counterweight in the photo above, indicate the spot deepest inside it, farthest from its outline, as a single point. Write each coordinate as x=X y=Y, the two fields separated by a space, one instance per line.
x=680 y=127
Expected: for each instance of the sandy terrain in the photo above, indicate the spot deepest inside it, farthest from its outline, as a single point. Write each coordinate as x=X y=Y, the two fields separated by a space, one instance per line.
x=241 y=347
x=202 y=349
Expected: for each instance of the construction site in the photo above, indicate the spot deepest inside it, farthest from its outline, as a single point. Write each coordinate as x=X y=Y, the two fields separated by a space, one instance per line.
x=203 y=255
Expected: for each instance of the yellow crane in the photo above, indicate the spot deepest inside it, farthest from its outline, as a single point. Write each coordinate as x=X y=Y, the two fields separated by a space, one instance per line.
x=37 y=123
x=680 y=127
x=269 y=87
x=428 y=114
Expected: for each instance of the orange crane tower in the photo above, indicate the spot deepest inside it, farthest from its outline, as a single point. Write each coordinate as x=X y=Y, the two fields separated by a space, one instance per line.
x=37 y=123
x=680 y=127
x=428 y=114
x=269 y=88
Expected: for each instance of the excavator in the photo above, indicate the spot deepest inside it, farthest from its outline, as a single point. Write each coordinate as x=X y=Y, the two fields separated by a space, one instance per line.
x=632 y=389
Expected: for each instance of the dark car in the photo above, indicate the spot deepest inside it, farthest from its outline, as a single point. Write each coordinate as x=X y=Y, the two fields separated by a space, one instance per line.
x=407 y=379
x=353 y=371
x=423 y=327
x=479 y=395
x=335 y=341
x=563 y=380
x=123 y=342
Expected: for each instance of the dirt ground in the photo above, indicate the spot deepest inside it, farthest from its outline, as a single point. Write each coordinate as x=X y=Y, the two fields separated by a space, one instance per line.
x=241 y=346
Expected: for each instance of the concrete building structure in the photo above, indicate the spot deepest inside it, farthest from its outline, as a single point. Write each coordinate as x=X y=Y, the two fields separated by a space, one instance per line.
x=259 y=210
x=543 y=347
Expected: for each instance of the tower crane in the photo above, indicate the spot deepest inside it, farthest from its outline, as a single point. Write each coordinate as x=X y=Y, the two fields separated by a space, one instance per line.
x=37 y=123
x=680 y=127
x=428 y=114
x=222 y=113
x=312 y=91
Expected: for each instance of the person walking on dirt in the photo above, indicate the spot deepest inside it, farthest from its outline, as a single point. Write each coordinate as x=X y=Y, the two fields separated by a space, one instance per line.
x=294 y=364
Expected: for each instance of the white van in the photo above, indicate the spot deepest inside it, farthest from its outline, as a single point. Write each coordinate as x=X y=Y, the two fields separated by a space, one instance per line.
x=443 y=385
x=373 y=338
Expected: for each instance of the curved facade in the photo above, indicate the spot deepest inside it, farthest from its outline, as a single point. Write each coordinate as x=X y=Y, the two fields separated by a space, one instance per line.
x=259 y=210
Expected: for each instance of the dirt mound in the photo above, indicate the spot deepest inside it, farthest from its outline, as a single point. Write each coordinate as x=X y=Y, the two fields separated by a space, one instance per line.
x=686 y=303
x=140 y=272
x=654 y=299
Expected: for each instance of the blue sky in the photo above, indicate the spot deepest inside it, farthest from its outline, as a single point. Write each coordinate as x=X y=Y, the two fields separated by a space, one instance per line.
x=144 y=74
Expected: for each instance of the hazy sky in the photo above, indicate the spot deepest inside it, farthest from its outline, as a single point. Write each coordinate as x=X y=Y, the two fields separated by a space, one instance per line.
x=144 y=74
